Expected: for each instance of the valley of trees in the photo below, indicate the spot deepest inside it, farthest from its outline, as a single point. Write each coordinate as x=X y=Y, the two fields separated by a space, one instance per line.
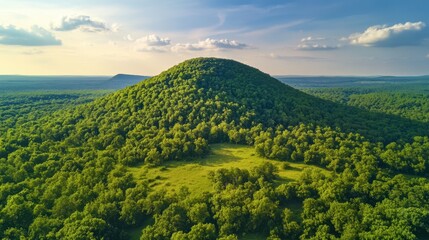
x=65 y=175
x=408 y=104
x=18 y=108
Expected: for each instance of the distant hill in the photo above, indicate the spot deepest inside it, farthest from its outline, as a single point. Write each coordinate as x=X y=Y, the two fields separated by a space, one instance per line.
x=123 y=80
x=10 y=83
x=37 y=83
x=127 y=77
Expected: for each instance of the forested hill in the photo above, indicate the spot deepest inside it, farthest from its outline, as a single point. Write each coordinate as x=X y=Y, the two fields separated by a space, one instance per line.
x=64 y=176
x=127 y=77
x=201 y=101
x=217 y=91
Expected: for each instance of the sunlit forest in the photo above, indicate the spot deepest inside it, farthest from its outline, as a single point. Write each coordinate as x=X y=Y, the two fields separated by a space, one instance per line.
x=214 y=149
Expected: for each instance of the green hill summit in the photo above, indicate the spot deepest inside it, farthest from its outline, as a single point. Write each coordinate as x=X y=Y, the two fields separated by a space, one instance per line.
x=202 y=101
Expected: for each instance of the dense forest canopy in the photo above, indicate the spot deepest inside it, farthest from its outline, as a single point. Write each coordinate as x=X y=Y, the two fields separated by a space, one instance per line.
x=18 y=108
x=409 y=104
x=65 y=175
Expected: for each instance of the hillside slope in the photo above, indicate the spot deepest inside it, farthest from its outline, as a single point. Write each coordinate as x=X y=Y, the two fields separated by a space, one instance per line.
x=206 y=100
x=65 y=176
x=219 y=90
x=229 y=95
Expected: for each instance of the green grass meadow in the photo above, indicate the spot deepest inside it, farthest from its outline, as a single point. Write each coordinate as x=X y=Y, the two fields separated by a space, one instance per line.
x=194 y=173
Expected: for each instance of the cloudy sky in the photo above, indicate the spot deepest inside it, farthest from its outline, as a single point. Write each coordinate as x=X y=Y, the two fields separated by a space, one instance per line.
x=290 y=37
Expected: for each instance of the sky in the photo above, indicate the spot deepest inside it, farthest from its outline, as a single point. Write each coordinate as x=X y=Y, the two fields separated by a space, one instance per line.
x=289 y=37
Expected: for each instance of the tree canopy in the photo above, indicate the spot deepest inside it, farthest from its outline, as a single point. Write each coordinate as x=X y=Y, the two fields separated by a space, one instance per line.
x=65 y=175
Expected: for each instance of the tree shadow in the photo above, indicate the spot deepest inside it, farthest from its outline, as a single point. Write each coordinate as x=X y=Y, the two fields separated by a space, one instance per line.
x=216 y=157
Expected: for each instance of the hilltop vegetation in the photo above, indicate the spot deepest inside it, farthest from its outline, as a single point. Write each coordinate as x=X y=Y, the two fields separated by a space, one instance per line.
x=67 y=175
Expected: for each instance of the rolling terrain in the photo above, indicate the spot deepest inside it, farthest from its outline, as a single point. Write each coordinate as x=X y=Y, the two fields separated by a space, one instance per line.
x=404 y=83
x=214 y=149
x=18 y=83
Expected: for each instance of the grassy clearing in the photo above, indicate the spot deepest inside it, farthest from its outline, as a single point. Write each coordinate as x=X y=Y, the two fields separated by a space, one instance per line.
x=194 y=173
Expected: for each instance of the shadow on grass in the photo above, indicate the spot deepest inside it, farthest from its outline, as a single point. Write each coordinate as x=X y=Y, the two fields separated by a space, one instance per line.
x=289 y=167
x=218 y=158
x=134 y=233
x=219 y=154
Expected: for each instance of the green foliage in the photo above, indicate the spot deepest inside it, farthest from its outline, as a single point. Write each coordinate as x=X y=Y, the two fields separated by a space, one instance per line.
x=390 y=206
x=410 y=105
x=194 y=173
x=338 y=151
x=65 y=175
x=21 y=108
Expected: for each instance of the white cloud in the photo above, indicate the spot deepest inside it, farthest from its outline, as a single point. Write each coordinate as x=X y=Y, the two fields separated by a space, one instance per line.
x=151 y=43
x=151 y=49
x=83 y=23
x=115 y=27
x=311 y=39
x=401 y=34
x=36 y=36
x=316 y=47
x=154 y=43
x=427 y=55
x=129 y=38
x=313 y=44
x=153 y=40
x=284 y=57
x=209 y=44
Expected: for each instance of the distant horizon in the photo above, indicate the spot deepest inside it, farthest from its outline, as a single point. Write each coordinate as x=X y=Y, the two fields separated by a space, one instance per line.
x=273 y=75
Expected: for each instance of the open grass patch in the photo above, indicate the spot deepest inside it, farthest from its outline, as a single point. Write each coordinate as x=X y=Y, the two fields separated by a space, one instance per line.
x=194 y=173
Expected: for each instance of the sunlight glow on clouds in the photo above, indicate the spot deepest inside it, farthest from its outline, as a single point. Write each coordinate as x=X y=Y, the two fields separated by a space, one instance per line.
x=154 y=40
x=154 y=43
x=151 y=43
x=36 y=36
x=83 y=23
x=401 y=34
x=210 y=44
x=313 y=44
x=145 y=37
